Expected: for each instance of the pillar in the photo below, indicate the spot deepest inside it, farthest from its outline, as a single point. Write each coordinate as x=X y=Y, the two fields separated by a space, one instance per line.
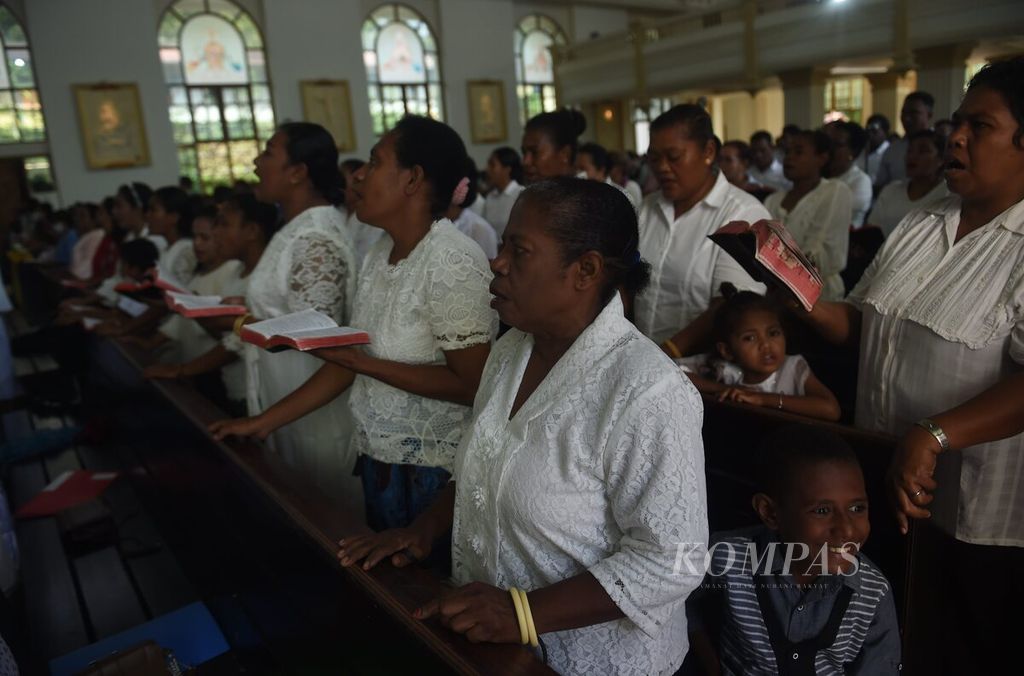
x=803 y=93
x=940 y=72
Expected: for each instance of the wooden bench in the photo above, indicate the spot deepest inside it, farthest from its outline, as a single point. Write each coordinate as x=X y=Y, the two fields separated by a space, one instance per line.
x=220 y=477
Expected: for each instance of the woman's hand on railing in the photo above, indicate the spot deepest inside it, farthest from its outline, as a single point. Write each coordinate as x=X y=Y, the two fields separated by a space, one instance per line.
x=403 y=545
x=240 y=427
x=482 y=613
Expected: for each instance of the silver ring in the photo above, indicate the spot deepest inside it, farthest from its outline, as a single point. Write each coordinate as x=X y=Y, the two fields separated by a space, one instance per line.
x=918 y=493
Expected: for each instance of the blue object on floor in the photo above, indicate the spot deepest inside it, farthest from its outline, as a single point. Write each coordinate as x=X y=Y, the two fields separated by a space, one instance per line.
x=189 y=632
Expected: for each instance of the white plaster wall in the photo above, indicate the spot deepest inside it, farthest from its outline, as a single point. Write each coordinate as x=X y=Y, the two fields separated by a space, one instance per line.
x=89 y=41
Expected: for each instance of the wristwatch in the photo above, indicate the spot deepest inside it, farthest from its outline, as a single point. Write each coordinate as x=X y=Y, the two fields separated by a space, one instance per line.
x=932 y=428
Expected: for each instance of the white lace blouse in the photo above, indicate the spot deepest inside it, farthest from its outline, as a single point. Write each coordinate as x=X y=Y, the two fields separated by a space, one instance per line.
x=600 y=470
x=820 y=224
x=309 y=263
x=436 y=299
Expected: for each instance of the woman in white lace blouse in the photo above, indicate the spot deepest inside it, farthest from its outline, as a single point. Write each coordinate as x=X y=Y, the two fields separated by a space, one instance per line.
x=581 y=480
x=939 y=318
x=309 y=263
x=423 y=299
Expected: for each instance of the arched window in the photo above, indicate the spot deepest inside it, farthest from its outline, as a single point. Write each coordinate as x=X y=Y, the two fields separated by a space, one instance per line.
x=21 y=115
x=535 y=67
x=402 y=66
x=219 y=96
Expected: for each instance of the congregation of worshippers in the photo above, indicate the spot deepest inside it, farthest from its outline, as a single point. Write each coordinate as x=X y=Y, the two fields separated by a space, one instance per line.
x=567 y=431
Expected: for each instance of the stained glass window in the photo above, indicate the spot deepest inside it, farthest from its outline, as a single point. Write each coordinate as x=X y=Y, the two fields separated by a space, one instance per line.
x=21 y=114
x=402 y=66
x=535 y=67
x=218 y=94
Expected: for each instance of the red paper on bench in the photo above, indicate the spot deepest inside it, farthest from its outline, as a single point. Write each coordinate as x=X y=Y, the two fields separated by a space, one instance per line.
x=68 y=490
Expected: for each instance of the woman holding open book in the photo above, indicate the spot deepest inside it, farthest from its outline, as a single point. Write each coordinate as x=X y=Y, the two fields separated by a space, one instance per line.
x=423 y=299
x=309 y=264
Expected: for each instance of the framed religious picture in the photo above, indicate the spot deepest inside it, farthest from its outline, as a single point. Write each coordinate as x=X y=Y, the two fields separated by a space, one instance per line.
x=327 y=103
x=110 y=121
x=486 y=111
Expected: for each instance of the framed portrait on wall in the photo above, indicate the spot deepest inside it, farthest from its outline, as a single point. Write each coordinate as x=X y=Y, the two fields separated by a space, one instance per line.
x=110 y=121
x=327 y=103
x=487 y=111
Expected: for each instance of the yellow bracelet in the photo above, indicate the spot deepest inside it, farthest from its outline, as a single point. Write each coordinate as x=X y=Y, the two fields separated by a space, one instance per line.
x=524 y=634
x=534 y=641
x=240 y=322
x=672 y=349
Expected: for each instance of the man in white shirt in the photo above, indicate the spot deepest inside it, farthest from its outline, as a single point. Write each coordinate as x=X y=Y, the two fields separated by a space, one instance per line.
x=915 y=115
x=870 y=160
x=848 y=141
x=766 y=169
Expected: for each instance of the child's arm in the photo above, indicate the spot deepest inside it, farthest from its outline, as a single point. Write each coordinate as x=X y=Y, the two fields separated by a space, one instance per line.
x=706 y=385
x=818 y=402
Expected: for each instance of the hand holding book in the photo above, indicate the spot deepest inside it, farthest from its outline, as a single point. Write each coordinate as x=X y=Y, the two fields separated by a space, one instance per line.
x=769 y=254
x=304 y=331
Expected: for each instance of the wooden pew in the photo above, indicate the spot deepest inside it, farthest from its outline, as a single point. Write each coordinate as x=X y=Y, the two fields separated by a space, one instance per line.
x=320 y=522
x=732 y=435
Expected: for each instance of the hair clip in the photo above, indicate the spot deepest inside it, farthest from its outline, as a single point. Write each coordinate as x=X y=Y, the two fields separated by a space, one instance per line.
x=460 y=192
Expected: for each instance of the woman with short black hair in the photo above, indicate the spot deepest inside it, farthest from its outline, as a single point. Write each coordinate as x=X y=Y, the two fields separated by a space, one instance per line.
x=581 y=479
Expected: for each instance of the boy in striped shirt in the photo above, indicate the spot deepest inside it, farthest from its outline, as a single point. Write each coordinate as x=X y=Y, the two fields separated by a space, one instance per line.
x=794 y=596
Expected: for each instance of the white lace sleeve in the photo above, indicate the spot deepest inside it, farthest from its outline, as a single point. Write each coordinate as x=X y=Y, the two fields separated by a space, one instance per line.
x=654 y=469
x=318 y=277
x=184 y=267
x=459 y=302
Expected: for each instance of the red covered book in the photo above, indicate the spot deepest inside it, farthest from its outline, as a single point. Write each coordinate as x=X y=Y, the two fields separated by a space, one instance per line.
x=306 y=330
x=68 y=490
x=768 y=252
x=189 y=305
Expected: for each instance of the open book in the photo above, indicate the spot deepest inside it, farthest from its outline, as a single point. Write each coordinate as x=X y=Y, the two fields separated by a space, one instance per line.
x=131 y=307
x=189 y=305
x=768 y=252
x=306 y=330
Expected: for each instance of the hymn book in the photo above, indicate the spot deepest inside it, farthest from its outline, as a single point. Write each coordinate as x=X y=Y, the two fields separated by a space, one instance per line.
x=190 y=305
x=769 y=254
x=306 y=330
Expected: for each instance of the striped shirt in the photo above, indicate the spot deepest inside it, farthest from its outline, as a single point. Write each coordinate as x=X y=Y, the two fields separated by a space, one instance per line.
x=867 y=641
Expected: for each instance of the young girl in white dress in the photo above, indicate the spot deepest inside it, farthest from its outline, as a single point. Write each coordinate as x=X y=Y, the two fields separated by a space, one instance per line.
x=309 y=264
x=751 y=364
x=423 y=298
x=817 y=211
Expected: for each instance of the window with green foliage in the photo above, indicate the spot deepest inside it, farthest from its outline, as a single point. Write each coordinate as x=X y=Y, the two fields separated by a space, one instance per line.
x=402 y=66
x=218 y=90
x=535 y=66
x=21 y=114
x=844 y=100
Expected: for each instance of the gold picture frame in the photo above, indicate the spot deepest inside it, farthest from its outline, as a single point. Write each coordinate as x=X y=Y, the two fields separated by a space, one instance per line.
x=487 y=111
x=327 y=103
x=112 y=127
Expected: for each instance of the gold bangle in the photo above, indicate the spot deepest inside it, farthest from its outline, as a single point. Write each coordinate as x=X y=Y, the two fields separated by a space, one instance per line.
x=524 y=633
x=672 y=349
x=534 y=641
x=240 y=322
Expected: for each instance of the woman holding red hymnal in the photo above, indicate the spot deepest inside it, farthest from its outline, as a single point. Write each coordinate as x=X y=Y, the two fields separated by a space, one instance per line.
x=423 y=298
x=242 y=230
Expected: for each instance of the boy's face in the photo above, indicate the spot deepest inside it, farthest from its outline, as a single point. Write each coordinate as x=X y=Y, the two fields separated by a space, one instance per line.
x=758 y=345
x=826 y=506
